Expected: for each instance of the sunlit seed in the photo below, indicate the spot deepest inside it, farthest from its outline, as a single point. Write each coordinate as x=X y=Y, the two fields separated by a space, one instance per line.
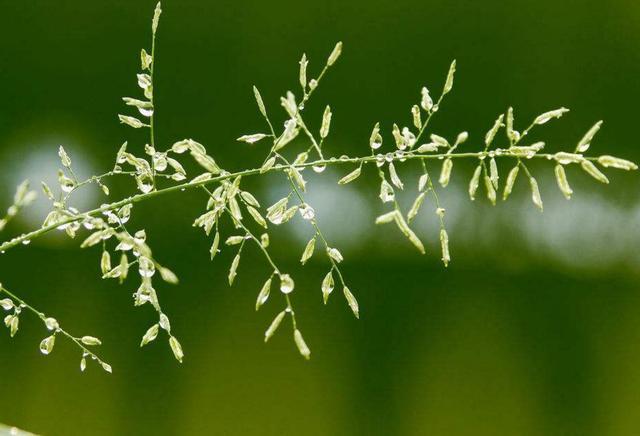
x=303 y=71
x=491 y=134
x=64 y=157
x=444 y=244
x=474 y=182
x=327 y=286
x=176 y=348
x=307 y=212
x=274 y=325
x=614 y=162
x=132 y=122
x=593 y=171
x=395 y=179
x=563 y=184
x=326 y=123
x=545 y=117
x=449 y=82
x=422 y=182
x=511 y=179
x=256 y=216
x=6 y=304
x=585 y=142
x=416 y=206
x=335 y=54
x=145 y=60
x=535 y=193
x=351 y=301
x=83 y=364
x=509 y=125
x=150 y=335
x=301 y=344
x=168 y=275
x=445 y=173
x=417 y=120
x=387 y=217
x=263 y=296
x=252 y=139
x=493 y=172
x=567 y=158
x=106 y=367
x=260 y=102
x=165 y=323
x=491 y=191
x=90 y=340
x=234 y=267
x=350 y=177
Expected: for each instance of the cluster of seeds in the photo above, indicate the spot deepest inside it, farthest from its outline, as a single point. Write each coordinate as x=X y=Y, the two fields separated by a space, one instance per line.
x=228 y=204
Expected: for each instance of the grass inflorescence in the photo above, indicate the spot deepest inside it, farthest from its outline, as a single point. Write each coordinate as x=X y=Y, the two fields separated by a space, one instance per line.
x=234 y=219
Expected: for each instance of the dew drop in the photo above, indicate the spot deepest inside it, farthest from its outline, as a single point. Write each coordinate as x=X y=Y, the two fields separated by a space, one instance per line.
x=319 y=168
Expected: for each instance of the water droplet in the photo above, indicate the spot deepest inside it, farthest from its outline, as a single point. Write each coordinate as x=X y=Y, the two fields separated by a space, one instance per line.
x=319 y=168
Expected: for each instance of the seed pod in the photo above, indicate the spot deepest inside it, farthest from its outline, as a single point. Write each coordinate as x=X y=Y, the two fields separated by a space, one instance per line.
x=303 y=71
x=394 y=176
x=585 y=142
x=387 y=217
x=444 y=244
x=535 y=193
x=263 y=296
x=415 y=208
x=593 y=171
x=274 y=326
x=415 y=112
x=105 y=262
x=545 y=117
x=326 y=123
x=150 y=335
x=511 y=179
x=493 y=172
x=252 y=139
x=474 y=182
x=491 y=191
x=351 y=300
x=335 y=54
x=614 y=162
x=301 y=344
x=422 y=182
x=327 y=286
x=563 y=184
x=491 y=134
x=90 y=340
x=232 y=270
x=308 y=250
x=350 y=177
x=445 y=174
x=448 y=85
x=260 y=102
x=176 y=348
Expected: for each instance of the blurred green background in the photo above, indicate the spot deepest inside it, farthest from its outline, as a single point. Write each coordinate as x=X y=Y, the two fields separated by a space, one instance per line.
x=534 y=329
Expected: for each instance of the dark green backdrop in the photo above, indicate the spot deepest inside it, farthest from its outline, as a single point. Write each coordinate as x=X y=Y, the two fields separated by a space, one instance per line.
x=533 y=330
